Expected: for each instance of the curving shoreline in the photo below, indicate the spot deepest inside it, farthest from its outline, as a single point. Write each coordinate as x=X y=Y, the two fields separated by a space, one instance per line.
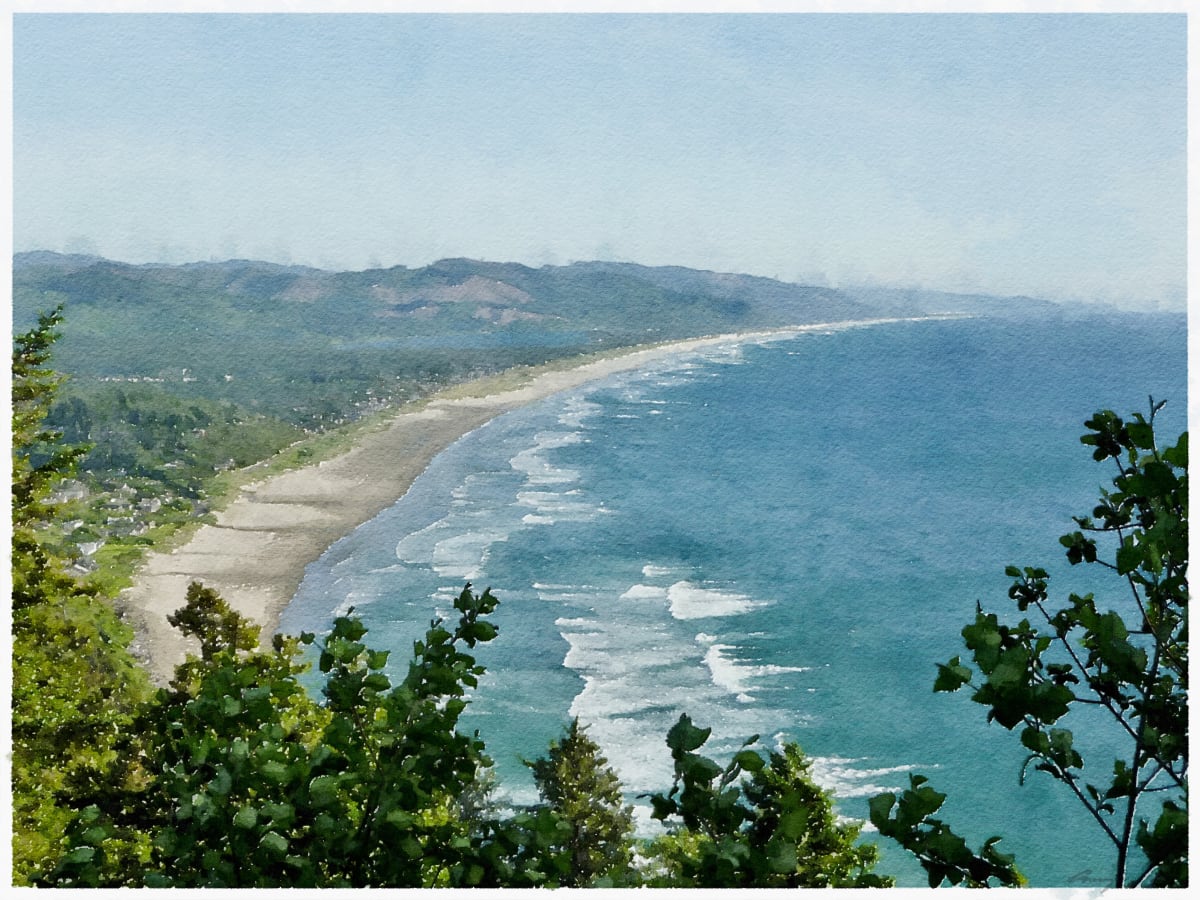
x=256 y=553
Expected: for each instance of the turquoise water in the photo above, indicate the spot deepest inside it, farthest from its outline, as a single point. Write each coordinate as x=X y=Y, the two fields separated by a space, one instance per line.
x=778 y=537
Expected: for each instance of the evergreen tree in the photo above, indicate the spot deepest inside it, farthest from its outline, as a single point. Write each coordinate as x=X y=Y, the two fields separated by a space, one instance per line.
x=40 y=462
x=75 y=685
x=576 y=782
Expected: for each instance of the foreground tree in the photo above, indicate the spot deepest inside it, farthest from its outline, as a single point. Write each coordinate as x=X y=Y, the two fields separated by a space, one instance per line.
x=775 y=828
x=75 y=686
x=1128 y=662
x=244 y=780
x=40 y=462
x=575 y=782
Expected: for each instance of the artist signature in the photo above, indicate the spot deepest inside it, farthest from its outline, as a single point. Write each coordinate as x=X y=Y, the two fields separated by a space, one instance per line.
x=1087 y=877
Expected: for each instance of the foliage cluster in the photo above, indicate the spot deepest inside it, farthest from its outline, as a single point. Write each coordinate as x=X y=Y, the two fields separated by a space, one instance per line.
x=1076 y=661
x=774 y=829
x=245 y=780
x=75 y=686
x=144 y=432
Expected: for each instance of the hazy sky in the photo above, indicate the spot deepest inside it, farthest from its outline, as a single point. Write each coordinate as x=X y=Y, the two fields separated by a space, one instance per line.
x=1041 y=154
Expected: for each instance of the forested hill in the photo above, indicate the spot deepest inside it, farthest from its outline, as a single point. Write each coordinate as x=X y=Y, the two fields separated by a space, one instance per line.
x=306 y=344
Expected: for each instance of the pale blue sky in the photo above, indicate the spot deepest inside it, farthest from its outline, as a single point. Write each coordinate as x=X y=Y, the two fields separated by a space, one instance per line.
x=1043 y=155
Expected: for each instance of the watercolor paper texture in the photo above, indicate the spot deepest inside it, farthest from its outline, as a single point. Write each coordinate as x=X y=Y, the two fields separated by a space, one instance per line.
x=887 y=265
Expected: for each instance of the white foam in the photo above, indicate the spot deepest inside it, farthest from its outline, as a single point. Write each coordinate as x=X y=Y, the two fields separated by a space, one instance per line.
x=574 y=598
x=538 y=471
x=536 y=468
x=466 y=493
x=617 y=684
x=726 y=674
x=464 y=555
x=552 y=440
x=415 y=547
x=353 y=600
x=847 y=780
x=571 y=594
x=517 y=797
x=730 y=354
x=733 y=676
x=645 y=592
x=633 y=746
x=552 y=501
x=576 y=410
x=668 y=382
x=551 y=506
x=650 y=570
x=689 y=601
x=398 y=567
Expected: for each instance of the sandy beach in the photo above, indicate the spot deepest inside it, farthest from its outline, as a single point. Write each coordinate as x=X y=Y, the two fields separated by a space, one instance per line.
x=256 y=552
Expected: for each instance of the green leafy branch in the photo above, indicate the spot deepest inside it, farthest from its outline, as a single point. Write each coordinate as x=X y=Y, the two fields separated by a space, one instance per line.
x=1033 y=676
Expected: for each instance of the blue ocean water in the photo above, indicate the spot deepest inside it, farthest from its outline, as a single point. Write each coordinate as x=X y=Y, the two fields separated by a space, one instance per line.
x=778 y=537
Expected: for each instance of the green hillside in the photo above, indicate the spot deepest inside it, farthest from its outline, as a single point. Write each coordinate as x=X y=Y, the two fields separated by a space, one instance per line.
x=309 y=346
x=178 y=373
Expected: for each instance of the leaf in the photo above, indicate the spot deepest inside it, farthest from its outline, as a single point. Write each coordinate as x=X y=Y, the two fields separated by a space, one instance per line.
x=323 y=790
x=880 y=807
x=1141 y=435
x=80 y=855
x=377 y=682
x=377 y=659
x=662 y=807
x=951 y=676
x=1129 y=557
x=699 y=768
x=1166 y=845
x=1178 y=455
x=274 y=843
x=749 y=760
x=684 y=736
x=1062 y=748
x=983 y=639
x=1079 y=548
x=1035 y=740
x=792 y=825
x=221 y=782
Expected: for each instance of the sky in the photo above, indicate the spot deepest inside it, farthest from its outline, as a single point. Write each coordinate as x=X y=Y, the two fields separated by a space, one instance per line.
x=1010 y=154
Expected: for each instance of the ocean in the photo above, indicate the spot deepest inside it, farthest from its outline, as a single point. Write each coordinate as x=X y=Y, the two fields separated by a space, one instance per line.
x=778 y=537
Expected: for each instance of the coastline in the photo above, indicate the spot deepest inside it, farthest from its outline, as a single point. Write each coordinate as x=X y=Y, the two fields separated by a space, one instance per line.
x=256 y=552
